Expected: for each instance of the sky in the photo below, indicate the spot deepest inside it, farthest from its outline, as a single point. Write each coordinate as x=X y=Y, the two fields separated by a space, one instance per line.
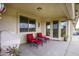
x=77 y=25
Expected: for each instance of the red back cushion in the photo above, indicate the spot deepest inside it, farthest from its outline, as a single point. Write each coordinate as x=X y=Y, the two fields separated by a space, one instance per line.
x=29 y=36
x=39 y=34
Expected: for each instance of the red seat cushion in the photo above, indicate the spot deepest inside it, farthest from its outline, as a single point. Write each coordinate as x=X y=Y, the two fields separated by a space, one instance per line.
x=31 y=39
x=45 y=38
x=29 y=36
x=40 y=35
x=38 y=42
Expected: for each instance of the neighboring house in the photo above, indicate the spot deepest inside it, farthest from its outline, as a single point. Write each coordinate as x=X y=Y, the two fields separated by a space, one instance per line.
x=53 y=20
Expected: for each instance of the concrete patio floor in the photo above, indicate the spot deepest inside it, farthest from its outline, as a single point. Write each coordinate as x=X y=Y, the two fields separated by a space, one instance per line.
x=73 y=49
x=53 y=48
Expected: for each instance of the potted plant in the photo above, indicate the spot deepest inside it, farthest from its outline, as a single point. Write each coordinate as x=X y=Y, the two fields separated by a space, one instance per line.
x=13 y=51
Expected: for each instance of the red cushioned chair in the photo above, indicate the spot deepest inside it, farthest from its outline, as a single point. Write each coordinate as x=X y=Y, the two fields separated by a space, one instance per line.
x=31 y=39
x=41 y=36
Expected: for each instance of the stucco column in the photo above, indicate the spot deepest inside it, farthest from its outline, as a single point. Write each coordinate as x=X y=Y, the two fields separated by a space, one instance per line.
x=69 y=30
x=59 y=32
x=51 y=29
x=0 y=41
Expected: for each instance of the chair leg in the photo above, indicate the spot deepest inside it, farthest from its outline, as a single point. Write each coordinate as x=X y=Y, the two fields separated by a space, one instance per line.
x=35 y=45
x=31 y=44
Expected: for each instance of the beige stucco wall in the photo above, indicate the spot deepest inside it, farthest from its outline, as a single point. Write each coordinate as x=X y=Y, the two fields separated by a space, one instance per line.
x=8 y=21
x=72 y=30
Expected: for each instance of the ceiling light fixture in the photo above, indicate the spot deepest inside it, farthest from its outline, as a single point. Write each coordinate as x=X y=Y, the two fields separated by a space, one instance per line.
x=39 y=8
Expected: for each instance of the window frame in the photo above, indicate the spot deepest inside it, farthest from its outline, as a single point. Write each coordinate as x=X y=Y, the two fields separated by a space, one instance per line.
x=29 y=18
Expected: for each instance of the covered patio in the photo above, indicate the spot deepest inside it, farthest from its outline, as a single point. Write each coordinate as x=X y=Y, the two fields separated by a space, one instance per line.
x=54 y=21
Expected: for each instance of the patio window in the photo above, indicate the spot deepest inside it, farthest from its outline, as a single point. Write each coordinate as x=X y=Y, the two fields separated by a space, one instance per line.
x=55 y=29
x=47 y=28
x=27 y=24
x=32 y=25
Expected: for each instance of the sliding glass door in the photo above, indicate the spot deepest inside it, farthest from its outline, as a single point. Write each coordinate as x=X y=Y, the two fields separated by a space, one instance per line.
x=55 y=29
x=58 y=29
x=47 y=28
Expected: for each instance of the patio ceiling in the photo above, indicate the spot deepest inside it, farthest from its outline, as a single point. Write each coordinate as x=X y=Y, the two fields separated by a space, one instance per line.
x=49 y=10
x=77 y=9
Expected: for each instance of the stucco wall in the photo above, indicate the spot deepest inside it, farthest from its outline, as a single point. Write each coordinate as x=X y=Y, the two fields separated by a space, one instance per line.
x=71 y=30
x=8 y=21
